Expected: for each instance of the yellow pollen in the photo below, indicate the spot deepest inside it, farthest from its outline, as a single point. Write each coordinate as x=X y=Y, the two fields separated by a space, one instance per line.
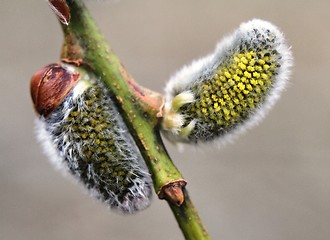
x=258 y=68
x=244 y=60
x=231 y=82
x=241 y=86
x=256 y=74
x=236 y=78
x=226 y=111
x=231 y=105
x=266 y=67
x=253 y=82
x=247 y=74
x=222 y=102
x=227 y=74
x=264 y=76
x=261 y=62
x=242 y=65
x=239 y=72
x=250 y=69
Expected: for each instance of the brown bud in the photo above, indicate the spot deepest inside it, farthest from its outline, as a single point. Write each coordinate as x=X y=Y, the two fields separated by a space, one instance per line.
x=61 y=10
x=173 y=192
x=50 y=86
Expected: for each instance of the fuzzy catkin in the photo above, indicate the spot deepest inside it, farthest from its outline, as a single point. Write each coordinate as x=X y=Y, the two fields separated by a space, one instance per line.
x=86 y=135
x=223 y=94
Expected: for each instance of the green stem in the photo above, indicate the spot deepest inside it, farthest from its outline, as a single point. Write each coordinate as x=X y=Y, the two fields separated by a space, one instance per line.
x=190 y=223
x=84 y=44
x=89 y=45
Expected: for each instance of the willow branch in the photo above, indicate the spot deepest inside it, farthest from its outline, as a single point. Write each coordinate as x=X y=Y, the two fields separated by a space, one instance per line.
x=141 y=108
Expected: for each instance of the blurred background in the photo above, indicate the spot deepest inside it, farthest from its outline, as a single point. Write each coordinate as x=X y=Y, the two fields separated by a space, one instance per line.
x=272 y=183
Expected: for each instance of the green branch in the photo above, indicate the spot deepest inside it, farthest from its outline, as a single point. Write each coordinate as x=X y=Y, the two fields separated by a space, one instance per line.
x=141 y=108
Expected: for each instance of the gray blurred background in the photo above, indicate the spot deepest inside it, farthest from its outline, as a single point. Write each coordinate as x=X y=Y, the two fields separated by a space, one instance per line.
x=273 y=183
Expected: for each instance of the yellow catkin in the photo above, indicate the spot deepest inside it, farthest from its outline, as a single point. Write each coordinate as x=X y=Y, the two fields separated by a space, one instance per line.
x=235 y=89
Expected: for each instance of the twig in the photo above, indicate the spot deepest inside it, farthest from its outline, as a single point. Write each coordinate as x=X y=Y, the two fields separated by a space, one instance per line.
x=141 y=108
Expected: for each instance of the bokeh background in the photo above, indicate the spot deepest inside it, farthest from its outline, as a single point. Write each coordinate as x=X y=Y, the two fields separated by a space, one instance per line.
x=272 y=183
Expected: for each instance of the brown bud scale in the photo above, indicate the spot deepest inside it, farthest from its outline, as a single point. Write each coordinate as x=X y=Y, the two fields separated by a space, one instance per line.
x=61 y=10
x=173 y=192
x=50 y=86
